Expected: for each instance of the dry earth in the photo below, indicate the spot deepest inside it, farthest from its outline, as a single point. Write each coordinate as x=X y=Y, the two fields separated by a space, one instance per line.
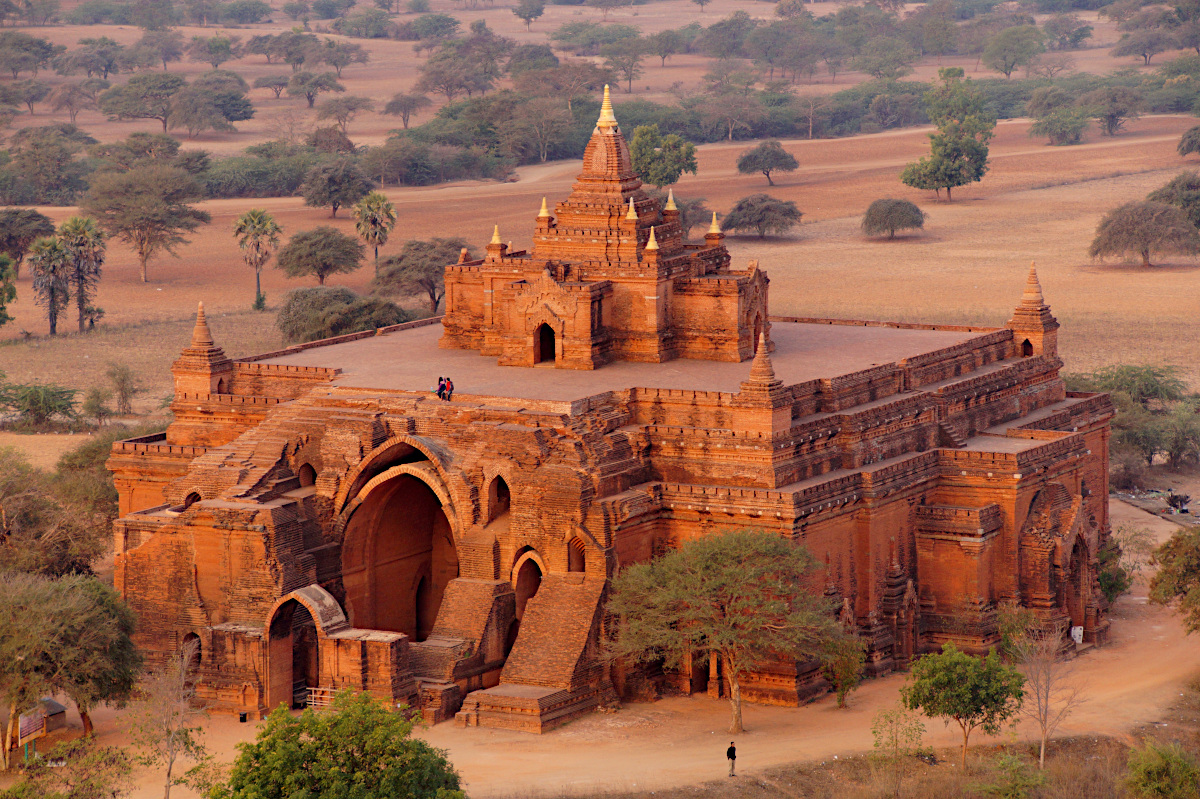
x=1132 y=682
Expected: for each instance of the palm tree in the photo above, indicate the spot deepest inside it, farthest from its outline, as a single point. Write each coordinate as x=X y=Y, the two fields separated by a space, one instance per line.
x=51 y=264
x=84 y=243
x=374 y=218
x=257 y=233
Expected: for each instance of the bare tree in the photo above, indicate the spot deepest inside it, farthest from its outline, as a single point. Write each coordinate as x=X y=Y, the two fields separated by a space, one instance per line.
x=164 y=722
x=1051 y=690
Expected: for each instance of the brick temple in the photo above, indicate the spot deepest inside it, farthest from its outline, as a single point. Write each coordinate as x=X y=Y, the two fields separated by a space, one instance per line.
x=316 y=518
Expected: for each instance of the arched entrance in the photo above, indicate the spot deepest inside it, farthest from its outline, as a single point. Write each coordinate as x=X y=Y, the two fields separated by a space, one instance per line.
x=293 y=655
x=398 y=556
x=757 y=333
x=499 y=499
x=1073 y=591
x=527 y=579
x=543 y=344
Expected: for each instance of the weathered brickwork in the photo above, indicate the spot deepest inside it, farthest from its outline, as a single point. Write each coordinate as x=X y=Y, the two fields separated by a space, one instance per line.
x=317 y=519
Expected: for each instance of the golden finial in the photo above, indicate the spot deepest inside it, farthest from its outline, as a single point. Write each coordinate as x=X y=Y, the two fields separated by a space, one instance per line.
x=545 y=212
x=632 y=214
x=670 y=201
x=652 y=244
x=607 y=118
x=714 y=227
x=496 y=236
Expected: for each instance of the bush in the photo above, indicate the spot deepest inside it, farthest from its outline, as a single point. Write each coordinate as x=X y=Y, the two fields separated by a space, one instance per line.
x=37 y=404
x=763 y=214
x=315 y=313
x=1162 y=771
x=889 y=215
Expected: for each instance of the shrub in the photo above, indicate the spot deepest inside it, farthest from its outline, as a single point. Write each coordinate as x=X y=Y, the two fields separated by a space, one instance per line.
x=1162 y=771
x=315 y=313
x=37 y=404
x=764 y=214
x=889 y=215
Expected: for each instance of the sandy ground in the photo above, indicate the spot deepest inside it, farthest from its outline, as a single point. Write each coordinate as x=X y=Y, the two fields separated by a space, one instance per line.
x=44 y=450
x=681 y=741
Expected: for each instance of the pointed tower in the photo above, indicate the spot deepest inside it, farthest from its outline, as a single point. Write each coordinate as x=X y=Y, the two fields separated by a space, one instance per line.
x=202 y=368
x=1035 y=330
x=766 y=404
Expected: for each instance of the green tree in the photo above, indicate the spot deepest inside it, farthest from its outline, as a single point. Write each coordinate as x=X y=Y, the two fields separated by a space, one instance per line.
x=85 y=246
x=529 y=10
x=311 y=314
x=166 y=45
x=343 y=110
x=30 y=92
x=1062 y=126
x=1014 y=47
x=125 y=386
x=959 y=150
x=1145 y=43
x=374 y=218
x=420 y=268
x=767 y=157
x=142 y=97
x=738 y=597
x=660 y=160
x=731 y=112
x=276 y=83
x=405 y=104
x=20 y=52
x=82 y=770
x=19 y=228
x=72 y=98
x=147 y=208
x=897 y=732
x=889 y=215
x=50 y=264
x=8 y=288
x=1189 y=142
x=257 y=235
x=334 y=183
x=311 y=84
x=886 y=58
x=764 y=214
x=1177 y=581
x=970 y=691
x=664 y=44
x=1143 y=384
x=214 y=50
x=1144 y=228
x=357 y=748
x=842 y=663
x=625 y=58
x=1113 y=106
x=340 y=55
x=320 y=252
x=1182 y=191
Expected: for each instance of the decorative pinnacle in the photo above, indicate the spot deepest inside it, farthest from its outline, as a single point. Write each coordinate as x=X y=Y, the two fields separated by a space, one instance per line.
x=714 y=227
x=631 y=214
x=761 y=371
x=496 y=236
x=201 y=337
x=652 y=244
x=545 y=212
x=1032 y=296
x=670 y=206
x=607 y=118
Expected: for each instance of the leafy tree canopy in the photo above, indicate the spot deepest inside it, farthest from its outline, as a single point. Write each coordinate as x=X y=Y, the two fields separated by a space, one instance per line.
x=766 y=158
x=322 y=312
x=420 y=268
x=661 y=160
x=763 y=214
x=889 y=215
x=334 y=183
x=1143 y=228
x=320 y=252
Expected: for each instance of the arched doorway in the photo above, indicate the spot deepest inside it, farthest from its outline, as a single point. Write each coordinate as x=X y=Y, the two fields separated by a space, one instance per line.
x=543 y=344
x=1073 y=591
x=293 y=655
x=527 y=579
x=576 y=556
x=398 y=556
x=307 y=475
x=1026 y=348
x=499 y=499
x=757 y=333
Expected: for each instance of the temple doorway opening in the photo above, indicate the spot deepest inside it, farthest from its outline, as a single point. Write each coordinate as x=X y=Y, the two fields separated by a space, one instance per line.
x=398 y=556
x=1074 y=588
x=543 y=344
x=294 y=664
x=526 y=582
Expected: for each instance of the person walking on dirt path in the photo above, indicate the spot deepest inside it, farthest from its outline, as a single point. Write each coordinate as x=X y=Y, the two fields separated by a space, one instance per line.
x=731 y=754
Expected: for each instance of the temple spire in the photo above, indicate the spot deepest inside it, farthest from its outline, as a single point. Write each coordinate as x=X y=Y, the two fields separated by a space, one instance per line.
x=652 y=244
x=496 y=236
x=670 y=206
x=762 y=371
x=607 y=118
x=714 y=227
x=631 y=214
x=201 y=336
x=545 y=212
x=1032 y=296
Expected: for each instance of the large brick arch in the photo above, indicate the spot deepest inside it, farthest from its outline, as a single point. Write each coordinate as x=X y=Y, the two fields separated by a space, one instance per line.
x=379 y=458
